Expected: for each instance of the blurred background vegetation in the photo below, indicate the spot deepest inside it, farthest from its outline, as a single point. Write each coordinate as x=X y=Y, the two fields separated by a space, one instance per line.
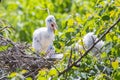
x=75 y=18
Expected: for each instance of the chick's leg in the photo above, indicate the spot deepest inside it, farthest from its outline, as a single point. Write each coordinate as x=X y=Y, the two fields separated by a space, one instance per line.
x=50 y=51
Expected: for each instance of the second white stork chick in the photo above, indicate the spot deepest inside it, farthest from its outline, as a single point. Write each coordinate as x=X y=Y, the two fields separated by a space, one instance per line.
x=43 y=37
x=89 y=39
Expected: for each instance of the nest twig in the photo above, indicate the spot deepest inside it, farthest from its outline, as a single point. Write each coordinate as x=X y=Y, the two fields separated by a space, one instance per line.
x=15 y=56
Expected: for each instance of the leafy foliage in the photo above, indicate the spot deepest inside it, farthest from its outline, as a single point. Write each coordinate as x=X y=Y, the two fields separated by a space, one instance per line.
x=75 y=18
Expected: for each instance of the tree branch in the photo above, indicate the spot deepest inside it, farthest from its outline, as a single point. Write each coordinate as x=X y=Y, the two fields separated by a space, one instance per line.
x=103 y=35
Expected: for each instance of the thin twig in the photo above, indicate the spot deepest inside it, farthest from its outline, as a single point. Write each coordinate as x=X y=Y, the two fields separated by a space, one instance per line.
x=1 y=29
x=83 y=45
x=4 y=28
x=47 y=9
x=69 y=61
x=32 y=72
x=1 y=78
x=103 y=35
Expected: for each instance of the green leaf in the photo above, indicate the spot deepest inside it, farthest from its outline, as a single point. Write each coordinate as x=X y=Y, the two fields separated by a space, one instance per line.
x=116 y=75
x=42 y=72
x=106 y=17
x=70 y=22
x=103 y=55
x=53 y=72
x=41 y=78
x=70 y=30
x=28 y=78
x=2 y=48
x=108 y=38
x=23 y=71
x=13 y=74
x=115 y=65
x=115 y=38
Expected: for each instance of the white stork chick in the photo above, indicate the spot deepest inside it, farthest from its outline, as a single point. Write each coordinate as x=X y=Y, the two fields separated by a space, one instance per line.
x=43 y=37
x=89 y=40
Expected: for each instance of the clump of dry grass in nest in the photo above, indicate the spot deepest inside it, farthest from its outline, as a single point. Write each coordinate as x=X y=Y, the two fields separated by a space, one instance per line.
x=15 y=56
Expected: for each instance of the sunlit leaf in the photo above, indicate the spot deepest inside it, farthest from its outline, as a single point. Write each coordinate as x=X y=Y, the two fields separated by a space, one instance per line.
x=103 y=55
x=115 y=65
x=75 y=68
x=78 y=20
x=41 y=78
x=32 y=49
x=13 y=74
x=108 y=38
x=112 y=13
x=70 y=30
x=2 y=48
x=28 y=78
x=115 y=38
x=70 y=22
x=43 y=72
x=23 y=71
x=53 y=72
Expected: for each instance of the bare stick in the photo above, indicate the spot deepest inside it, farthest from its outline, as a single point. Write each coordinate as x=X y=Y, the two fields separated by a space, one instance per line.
x=103 y=35
x=48 y=11
x=70 y=61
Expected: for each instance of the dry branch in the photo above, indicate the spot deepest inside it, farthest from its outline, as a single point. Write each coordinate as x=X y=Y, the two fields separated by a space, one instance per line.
x=92 y=46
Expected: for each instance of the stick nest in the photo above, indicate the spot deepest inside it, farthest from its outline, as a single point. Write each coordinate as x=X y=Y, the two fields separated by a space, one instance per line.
x=14 y=56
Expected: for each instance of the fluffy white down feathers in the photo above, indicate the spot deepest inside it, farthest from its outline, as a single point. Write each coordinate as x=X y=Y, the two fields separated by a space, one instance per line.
x=89 y=40
x=43 y=37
